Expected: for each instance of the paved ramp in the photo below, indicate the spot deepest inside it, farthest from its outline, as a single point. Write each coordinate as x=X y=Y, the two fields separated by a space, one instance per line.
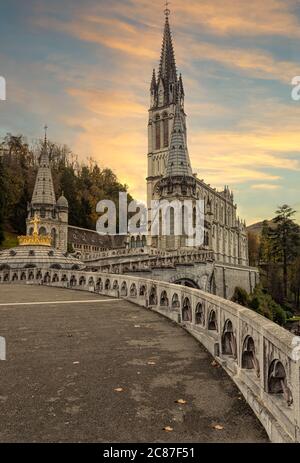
x=67 y=355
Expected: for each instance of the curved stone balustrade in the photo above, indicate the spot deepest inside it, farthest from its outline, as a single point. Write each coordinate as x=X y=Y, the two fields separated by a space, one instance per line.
x=260 y=356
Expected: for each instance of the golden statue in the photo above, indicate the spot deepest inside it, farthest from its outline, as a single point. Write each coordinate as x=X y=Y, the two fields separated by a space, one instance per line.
x=35 y=239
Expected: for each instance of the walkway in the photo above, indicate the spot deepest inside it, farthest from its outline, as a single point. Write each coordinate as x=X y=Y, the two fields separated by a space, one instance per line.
x=82 y=367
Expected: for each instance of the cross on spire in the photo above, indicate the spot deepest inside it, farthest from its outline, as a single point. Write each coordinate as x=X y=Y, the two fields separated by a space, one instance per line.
x=45 y=129
x=167 y=10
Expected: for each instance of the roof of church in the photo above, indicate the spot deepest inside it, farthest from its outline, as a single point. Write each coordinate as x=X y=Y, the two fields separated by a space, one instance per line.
x=83 y=236
x=178 y=160
x=43 y=192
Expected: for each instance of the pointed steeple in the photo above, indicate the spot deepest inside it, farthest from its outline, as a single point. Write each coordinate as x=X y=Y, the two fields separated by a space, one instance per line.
x=153 y=82
x=167 y=66
x=43 y=192
x=178 y=161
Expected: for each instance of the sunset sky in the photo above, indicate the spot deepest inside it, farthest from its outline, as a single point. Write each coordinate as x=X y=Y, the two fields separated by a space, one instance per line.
x=84 y=68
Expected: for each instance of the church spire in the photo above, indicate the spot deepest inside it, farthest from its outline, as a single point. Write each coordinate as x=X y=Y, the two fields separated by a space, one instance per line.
x=167 y=66
x=178 y=160
x=43 y=192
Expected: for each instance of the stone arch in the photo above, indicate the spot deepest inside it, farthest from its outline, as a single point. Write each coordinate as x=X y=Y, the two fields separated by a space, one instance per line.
x=164 y=301
x=200 y=314
x=115 y=285
x=47 y=278
x=212 y=321
x=124 y=289
x=99 y=285
x=31 y=276
x=91 y=281
x=42 y=231
x=133 y=290
x=249 y=360
x=175 y=301
x=107 y=284
x=153 y=296
x=188 y=282
x=6 y=277
x=73 y=281
x=64 y=278
x=15 y=277
x=186 y=310
x=55 y=278
x=143 y=290
x=228 y=340
x=277 y=381
x=82 y=281
x=39 y=275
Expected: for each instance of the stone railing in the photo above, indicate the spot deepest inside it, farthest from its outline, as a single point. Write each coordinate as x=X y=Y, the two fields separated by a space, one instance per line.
x=260 y=356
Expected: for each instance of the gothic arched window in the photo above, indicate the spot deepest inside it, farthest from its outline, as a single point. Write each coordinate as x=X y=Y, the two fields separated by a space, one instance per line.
x=166 y=131
x=157 y=133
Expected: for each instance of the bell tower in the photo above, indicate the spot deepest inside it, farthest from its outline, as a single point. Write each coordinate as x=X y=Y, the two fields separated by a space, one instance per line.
x=166 y=93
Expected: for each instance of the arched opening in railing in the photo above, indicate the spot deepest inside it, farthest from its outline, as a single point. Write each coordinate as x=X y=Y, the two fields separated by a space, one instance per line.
x=99 y=285
x=212 y=321
x=228 y=340
x=142 y=290
x=107 y=284
x=175 y=301
x=133 y=290
x=277 y=381
x=124 y=289
x=82 y=281
x=31 y=276
x=47 y=278
x=186 y=310
x=73 y=281
x=55 y=278
x=153 y=296
x=164 y=301
x=200 y=314
x=15 y=277
x=249 y=360
x=64 y=278
x=115 y=285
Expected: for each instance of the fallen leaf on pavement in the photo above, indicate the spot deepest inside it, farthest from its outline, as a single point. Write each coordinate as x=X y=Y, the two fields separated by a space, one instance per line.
x=180 y=401
x=75 y=363
x=119 y=389
x=218 y=427
x=168 y=429
x=151 y=363
x=215 y=364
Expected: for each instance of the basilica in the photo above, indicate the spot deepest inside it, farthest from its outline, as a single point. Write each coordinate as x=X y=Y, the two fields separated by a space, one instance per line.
x=170 y=174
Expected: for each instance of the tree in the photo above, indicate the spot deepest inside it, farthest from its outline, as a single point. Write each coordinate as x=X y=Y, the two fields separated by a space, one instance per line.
x=285 y=240
x=253 y=246
x=2 y=201
x=295 y=282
